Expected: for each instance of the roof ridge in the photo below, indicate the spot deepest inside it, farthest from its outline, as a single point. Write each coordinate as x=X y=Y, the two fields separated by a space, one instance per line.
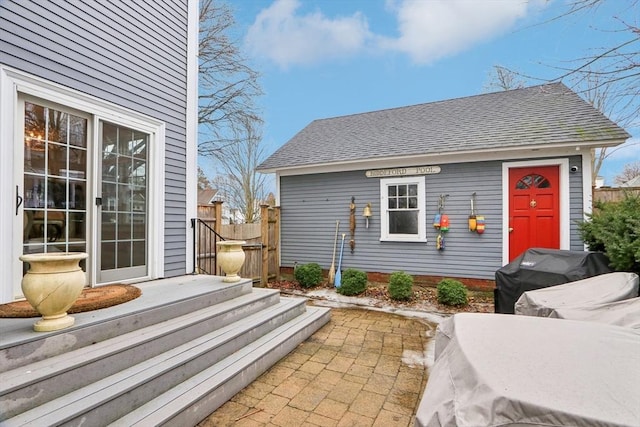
x=499 y=92
x=545 y=115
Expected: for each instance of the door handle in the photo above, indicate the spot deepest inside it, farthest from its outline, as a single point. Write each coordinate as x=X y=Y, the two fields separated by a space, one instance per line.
x=510 y=229
x=19 y=200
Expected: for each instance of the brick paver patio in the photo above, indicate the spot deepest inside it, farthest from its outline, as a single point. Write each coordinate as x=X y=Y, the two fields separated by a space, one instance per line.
x=364 y=368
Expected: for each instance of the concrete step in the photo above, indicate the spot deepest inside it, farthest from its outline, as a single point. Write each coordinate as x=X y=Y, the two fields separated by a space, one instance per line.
x=185 y=348
x=161 y=300
x=193 y=400
x=28 y=386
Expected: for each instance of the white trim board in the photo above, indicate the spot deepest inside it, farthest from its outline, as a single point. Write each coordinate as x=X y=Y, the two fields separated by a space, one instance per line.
x=191 y=130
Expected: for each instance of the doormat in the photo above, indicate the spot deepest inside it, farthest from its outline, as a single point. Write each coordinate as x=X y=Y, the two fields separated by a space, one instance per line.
x=90 y=299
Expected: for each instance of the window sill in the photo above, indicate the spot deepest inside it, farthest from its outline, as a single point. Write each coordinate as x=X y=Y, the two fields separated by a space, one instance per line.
x=404 y=239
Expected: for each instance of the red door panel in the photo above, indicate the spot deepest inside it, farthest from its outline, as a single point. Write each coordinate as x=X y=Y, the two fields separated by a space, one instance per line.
x=534 y=209
x=517 y=246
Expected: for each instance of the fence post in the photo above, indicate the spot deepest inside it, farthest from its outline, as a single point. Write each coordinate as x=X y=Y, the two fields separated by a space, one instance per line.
x=264 y=232
x=218 y=215
x=217 y=227
x=196 y=249
x=276 y=242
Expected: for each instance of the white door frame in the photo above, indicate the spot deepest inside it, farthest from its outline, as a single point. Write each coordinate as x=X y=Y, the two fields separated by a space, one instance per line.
x=565 y=226
x=14 y=82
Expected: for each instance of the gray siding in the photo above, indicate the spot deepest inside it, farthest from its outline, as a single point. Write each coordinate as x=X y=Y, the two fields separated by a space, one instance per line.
x=311 y=204
x=575 y=204
x=133 y=54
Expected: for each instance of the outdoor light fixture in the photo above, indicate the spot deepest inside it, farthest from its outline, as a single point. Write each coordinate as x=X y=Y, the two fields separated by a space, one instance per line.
x=367 y=214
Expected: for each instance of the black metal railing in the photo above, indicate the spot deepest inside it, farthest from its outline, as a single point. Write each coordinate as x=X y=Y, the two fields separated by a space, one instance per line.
x=204 y=247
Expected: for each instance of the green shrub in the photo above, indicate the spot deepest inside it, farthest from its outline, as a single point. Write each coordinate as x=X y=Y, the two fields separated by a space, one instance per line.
x=353 y=282
x=452 y=292
x=614 y=228
x=400 y=286
x=308 y=275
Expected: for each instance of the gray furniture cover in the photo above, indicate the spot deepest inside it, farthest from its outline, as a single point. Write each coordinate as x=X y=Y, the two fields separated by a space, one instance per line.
x=504 y=370
x=538 y=268
x=622 y=313
x=605 y=288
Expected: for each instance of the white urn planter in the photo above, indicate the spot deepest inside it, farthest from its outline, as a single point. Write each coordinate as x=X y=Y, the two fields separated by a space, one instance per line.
x=52 y=284
x=230 y=258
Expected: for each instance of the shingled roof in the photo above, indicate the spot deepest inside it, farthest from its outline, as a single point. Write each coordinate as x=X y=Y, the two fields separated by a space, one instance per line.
x=538 y=116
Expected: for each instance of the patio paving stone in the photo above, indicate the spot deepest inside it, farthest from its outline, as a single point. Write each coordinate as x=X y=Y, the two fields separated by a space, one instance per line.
x=363 y=368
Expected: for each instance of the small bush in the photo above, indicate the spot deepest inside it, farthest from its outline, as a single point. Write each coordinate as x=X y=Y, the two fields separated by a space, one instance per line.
x=452 y=292
x=614 y=228
x=353 y=282
x=308 y=275
x=400 y=286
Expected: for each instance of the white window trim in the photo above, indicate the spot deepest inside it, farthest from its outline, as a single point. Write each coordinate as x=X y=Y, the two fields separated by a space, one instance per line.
x=13 y=82
x=385 y=236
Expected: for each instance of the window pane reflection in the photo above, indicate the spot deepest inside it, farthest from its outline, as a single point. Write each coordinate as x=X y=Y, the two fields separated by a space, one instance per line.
x=124 y=254
x=124 y=193
x=403 y=222
x=55 y=165
x=534 y=180
x=139 y=253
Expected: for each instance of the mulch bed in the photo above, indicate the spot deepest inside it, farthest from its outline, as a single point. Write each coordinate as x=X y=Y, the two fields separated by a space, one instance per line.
x=90 y=299
x=425 y=298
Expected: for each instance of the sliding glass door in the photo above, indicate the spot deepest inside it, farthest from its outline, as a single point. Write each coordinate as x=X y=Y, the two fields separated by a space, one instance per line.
x=71 y=202
x=123 y=203
x=54 y=181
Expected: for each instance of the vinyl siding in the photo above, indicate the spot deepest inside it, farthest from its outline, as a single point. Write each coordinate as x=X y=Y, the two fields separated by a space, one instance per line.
x=133 y=54
x=311 y=204
x=575 y=204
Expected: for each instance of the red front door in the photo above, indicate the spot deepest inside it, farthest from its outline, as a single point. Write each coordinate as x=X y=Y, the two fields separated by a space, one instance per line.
x=534 y=209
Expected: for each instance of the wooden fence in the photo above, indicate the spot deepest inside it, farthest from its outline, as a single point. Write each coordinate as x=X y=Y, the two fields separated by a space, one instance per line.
x=611 y=194
x=261 y=250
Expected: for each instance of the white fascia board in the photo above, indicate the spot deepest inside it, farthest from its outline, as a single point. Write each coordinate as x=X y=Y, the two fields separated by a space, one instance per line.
x=445 y=158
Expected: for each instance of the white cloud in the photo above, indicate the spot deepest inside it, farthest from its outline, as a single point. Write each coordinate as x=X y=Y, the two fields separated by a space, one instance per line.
x=288 y=39
x=426 y=29
x=429 y=30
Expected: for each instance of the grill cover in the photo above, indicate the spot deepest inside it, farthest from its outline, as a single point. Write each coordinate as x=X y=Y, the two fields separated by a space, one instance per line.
x=499 y=370
x=605 y=288
x=622 y=313
x=538 y=268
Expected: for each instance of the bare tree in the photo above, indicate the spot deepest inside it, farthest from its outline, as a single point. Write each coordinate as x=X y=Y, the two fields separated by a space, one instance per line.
x=502 y=78
x=614 y=69
x=228 y=87
x=241 y=186
x=601 y=98
x=203 y=180
x=608 y=77
x=630 y=171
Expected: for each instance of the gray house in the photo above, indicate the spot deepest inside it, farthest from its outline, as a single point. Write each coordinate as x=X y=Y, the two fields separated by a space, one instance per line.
x=98 y=121
x=523 y=157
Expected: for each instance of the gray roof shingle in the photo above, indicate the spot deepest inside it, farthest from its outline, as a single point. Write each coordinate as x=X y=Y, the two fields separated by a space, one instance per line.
x=549 y=114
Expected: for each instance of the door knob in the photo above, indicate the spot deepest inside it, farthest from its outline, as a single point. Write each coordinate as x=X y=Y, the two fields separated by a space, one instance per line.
x=510 y=229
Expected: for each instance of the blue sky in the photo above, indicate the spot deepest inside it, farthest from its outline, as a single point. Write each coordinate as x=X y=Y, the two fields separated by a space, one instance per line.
x=327 y=58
